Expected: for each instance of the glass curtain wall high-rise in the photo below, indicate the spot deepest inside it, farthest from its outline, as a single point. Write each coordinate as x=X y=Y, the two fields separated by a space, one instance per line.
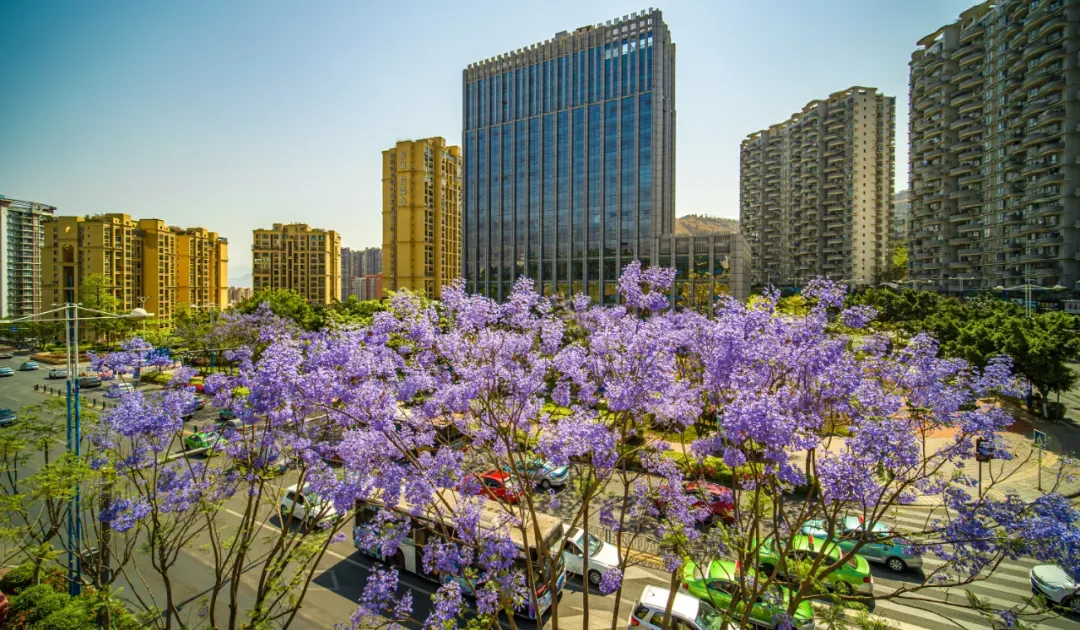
x=570 y=159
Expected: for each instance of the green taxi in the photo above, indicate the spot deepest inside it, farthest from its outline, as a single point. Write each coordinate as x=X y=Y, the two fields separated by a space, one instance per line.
x=880 y=543
x=722 y=584
x=210 y=439
x=851 y=577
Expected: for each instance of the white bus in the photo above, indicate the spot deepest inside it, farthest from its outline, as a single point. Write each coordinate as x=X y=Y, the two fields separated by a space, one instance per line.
x=432 y=525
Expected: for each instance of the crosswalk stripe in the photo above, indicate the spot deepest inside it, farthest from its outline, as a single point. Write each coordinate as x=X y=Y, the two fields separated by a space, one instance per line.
x=938 y=616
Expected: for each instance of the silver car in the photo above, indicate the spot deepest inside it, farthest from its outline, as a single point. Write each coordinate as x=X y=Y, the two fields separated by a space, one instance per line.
x=1053 y=583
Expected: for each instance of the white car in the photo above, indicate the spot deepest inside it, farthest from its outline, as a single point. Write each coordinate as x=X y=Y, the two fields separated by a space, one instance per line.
x=602 y=556
x=305 y=506
x=1051 y=581
x=689 y=612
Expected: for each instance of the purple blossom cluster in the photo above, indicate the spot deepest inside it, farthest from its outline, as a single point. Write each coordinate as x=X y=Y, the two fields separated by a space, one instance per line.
x=607 y=390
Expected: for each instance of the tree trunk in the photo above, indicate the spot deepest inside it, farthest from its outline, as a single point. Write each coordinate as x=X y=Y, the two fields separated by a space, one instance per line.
x=586 y=585
x=671 y=598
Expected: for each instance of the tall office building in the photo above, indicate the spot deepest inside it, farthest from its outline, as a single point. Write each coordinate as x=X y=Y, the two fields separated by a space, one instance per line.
x=570 y=158
x=299 y=258
x=22 y=234
x=994 y=139
x=146 y=263
x=421 y=215
x=816 y=192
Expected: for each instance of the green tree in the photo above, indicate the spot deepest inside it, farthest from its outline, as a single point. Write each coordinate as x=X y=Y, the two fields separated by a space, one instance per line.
x=898 y=271
x=284 y=303
x=353 y=312
x=96 y=293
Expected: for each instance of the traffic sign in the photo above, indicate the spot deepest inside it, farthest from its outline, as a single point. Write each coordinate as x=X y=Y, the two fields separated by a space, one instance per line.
x=1040 y=439
x=984 y=451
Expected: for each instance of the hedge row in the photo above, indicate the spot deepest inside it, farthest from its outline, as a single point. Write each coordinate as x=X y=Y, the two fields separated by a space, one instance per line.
x=47 y=606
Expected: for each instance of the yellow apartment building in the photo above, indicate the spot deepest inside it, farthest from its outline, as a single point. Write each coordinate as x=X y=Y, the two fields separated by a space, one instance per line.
x=141 y=258
x=300 y=258
x=202 y=259
x=421 y=215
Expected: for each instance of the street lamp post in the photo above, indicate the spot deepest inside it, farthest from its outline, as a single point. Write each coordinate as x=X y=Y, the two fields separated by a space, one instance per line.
x=74 y=421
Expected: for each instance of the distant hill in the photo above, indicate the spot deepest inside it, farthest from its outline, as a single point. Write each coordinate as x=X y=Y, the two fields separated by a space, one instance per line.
x=700 y=225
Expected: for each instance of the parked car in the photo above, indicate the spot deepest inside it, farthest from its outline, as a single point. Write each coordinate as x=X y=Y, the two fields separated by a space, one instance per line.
x=7 y=417
x=6 y=371
x=1051 y=581
x=28 y=366
x=688 y=613
x=194 y=405
x=851 y=577
x=543 y=473
x=881 y=544
x=493 y=483
x=718 y=500
x=226 y=417
x=57 y=373
x=721 y=584
x=118 y=389
x=6 y=355
x=89 y=382
x=602 y=556
x=305 y=506
x=209 y=439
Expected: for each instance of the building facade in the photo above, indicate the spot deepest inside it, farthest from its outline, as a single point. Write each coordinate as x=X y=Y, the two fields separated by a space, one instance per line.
x=144 y=261
x=994 y=142
x=239 y=294
x=367 y=287
x=421 y=215
x=357 y=263
x=570 y=158
x=816 y=192
x=202 y=259
x=22 y=235
x=299 y=258
x=707 y=268
x=901 y=216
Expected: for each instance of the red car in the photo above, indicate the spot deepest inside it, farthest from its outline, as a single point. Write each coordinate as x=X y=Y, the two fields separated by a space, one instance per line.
x=493 y=483
x=716 y=498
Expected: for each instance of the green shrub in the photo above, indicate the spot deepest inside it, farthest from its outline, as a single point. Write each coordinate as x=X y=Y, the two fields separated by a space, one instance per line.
x=158 y=378
x=74 y=616
x=22 y=576
x=35 y=603
x=17 y=579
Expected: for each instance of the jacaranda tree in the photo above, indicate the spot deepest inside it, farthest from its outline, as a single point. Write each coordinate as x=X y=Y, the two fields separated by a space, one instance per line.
x=803 y=415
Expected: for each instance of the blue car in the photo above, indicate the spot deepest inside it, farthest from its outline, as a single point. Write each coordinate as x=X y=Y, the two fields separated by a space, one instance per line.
x=544 y=474
x=28 y=366
x=6 y=371
x=881 y=544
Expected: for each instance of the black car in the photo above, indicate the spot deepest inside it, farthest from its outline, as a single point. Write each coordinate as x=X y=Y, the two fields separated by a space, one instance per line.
x=6 y=355
x=7 y=417
x=88 y=382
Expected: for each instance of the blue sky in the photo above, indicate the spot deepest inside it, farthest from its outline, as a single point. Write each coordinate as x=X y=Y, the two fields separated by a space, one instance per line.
x=235 y=115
